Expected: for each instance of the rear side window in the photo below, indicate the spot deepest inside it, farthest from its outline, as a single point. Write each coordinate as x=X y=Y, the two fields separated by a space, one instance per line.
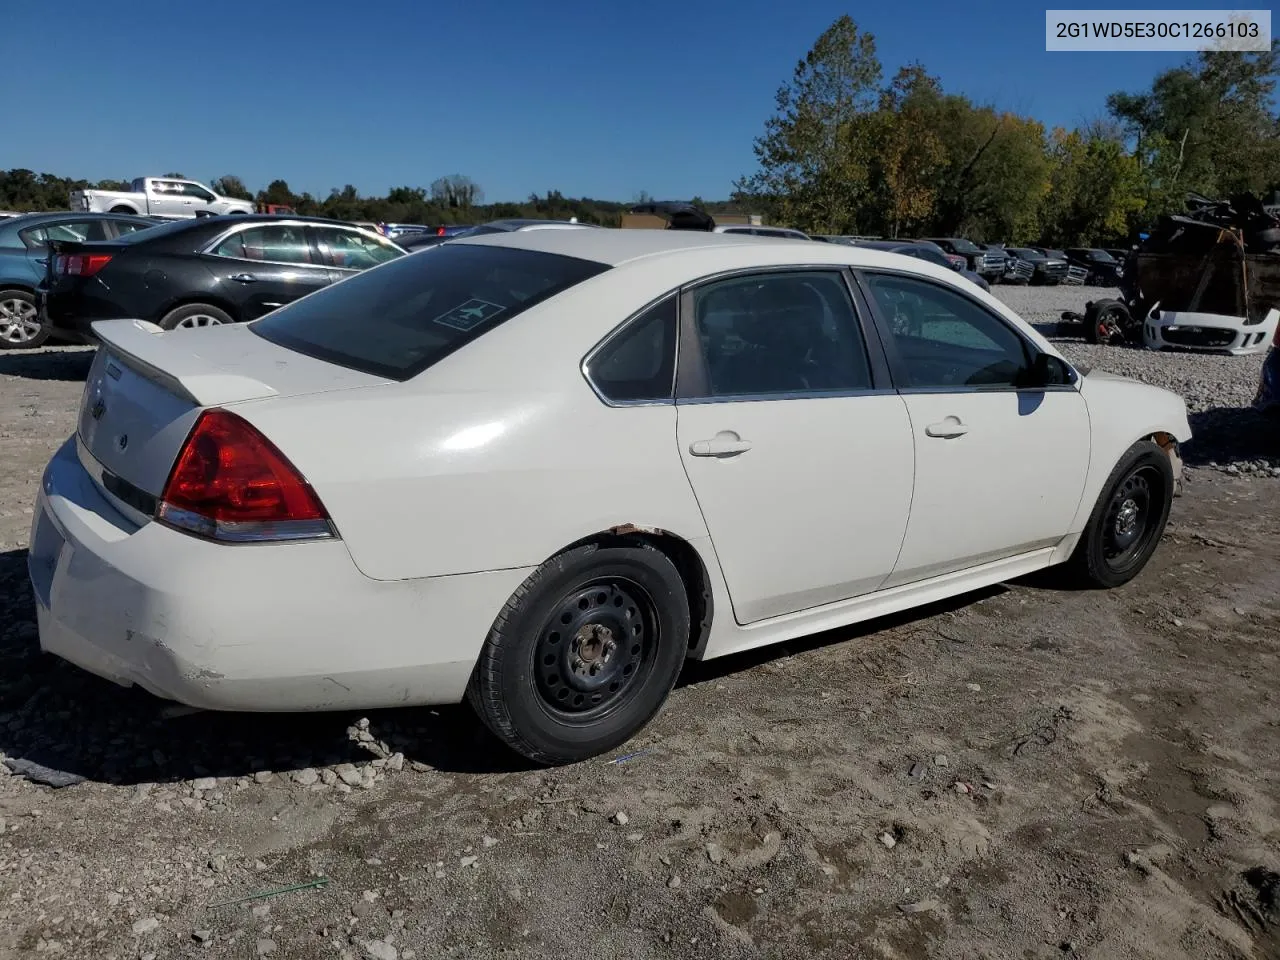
x=399 y=318
x=639 y=362
x=780 y=334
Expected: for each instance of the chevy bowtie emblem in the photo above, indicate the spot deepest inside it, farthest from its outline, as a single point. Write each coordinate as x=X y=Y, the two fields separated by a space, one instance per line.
x=98 y=409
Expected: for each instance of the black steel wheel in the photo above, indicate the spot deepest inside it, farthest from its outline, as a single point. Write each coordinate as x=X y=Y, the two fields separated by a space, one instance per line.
x=596 y=649
x=584 y=653
x=1128 y=528
x=1128 y=519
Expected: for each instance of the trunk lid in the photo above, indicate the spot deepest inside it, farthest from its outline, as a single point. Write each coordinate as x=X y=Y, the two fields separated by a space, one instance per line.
x=147 y=386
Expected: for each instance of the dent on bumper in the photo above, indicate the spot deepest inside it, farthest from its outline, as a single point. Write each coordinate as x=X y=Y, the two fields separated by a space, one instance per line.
x=256 y=628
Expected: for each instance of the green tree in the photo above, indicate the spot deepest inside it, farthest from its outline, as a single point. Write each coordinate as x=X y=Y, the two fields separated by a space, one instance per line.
x=1096 y=189
x=456 y=192
x=1207 y=126
x=812 y=156
x=230 y=186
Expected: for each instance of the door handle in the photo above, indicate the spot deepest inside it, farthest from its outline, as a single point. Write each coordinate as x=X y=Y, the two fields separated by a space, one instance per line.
x=726 y=444
x=950 y=427
x=244 y=278
x=43 y=261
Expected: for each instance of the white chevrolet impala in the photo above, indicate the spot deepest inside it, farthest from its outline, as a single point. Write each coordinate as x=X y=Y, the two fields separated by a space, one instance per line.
x=539 y=470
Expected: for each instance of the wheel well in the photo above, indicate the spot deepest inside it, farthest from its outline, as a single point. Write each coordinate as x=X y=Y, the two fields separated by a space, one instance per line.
x=1169 y=444
x=208 y=301
x=19 y=287
x=123 y=209
x=687 y=561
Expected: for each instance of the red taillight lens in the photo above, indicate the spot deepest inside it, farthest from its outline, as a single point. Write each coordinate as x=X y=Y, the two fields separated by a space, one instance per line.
x=440 y=231
x=82 y=264
x=232 y=483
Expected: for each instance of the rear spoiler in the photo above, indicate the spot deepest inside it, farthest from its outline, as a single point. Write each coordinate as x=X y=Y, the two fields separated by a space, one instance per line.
x=169 y=360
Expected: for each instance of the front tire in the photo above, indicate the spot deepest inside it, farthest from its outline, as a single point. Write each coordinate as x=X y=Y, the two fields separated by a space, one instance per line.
x=1128 y=519
x=584 y=653
x=20 y=326
x=194 y=315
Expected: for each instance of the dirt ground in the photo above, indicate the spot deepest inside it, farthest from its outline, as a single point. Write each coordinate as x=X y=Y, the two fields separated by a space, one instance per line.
x=1023 y=773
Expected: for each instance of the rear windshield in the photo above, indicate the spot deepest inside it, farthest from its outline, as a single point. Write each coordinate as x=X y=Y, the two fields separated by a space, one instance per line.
x=965 y=246
x=399 y=318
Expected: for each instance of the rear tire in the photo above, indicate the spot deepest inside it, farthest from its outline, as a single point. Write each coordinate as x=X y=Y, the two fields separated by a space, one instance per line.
x=584 y=653
x=20 y=326
x=1127 y=521
x=194 y=315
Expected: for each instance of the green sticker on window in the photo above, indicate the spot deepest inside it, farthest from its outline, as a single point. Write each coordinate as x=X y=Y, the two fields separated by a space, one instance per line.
x=469 y=315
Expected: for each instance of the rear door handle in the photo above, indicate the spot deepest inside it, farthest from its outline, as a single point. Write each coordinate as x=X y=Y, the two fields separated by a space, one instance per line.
x=244 y=278
x=950 y=427
x=726 y=444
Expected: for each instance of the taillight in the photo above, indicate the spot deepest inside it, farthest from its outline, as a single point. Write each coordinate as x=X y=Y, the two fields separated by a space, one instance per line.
x=231 y=483
x=81 y=264
x=440 y=231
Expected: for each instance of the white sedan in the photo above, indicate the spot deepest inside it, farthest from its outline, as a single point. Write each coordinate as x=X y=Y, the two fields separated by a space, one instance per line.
x=538 y=470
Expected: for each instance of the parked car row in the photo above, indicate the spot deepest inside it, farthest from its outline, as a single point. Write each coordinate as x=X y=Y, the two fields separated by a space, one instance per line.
x=24 y=259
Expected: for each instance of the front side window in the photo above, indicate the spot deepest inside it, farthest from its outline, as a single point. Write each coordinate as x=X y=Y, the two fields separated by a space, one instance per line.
x=399 y=319
x=639 y=362
x=195 y=191
x=349 y=250
x=945 y=340
x=275 y=243
x=785 y=333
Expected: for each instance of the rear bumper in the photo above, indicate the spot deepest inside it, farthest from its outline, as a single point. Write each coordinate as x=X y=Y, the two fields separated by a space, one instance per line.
x=250 y=628
x=1208 y=332
x=71 y=315
x=63 y=331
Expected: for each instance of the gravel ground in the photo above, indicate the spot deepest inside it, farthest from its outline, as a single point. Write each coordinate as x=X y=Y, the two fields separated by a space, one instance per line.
x=1027 y=772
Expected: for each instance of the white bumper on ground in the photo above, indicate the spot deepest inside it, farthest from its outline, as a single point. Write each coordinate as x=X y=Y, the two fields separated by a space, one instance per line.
x=277 y=627
x=1217 y=333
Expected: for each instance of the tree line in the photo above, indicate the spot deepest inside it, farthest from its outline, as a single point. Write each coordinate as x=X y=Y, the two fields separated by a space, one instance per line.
x=452 y=199
x=847 y=153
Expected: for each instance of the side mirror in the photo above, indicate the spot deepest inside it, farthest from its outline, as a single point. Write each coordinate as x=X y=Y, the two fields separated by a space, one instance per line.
x=1047 y=370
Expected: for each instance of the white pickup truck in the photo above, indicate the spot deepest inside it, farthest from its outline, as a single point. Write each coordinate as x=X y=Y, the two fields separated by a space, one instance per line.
x=159 y=197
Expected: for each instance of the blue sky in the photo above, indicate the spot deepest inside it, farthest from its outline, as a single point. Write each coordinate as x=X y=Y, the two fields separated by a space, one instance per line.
x=592 y=99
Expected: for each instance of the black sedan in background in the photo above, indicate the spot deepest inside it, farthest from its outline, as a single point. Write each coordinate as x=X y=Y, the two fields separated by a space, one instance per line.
x=201 y=272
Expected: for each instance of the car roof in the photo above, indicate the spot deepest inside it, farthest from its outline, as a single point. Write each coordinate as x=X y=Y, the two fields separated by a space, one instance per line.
x=29 y=219
x=616 y=247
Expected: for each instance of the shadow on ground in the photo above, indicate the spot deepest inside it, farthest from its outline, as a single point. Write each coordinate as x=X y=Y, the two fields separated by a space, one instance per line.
x=64 y=364
x=1225 y=434
x=62 y=717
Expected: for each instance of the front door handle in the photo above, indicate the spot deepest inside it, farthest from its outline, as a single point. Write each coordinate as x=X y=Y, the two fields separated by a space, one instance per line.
x=950 y=427
x=244 y=278
x=725 y=444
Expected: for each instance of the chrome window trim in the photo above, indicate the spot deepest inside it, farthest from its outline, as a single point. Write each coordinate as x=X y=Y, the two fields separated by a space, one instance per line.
x=585 y=365
x=790 y=395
